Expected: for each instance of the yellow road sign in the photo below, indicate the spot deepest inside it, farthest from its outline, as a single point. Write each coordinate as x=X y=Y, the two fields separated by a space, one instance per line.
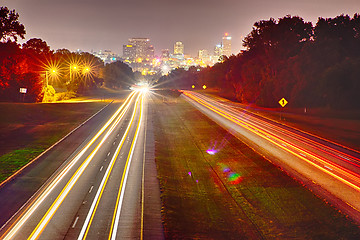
x=283 y=102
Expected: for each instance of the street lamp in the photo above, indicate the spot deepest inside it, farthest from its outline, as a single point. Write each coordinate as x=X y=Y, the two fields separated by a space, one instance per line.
x=86 y=70
x=72 y=68
x=53 y=72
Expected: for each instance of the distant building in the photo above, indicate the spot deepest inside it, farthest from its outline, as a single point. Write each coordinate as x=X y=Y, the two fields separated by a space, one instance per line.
x=165 y=53
x=203 y=54
x=129 y=52
x=141 y=46
x=178 y=48
x=150 y=53
x=226 y=45
x=218 y=50
x=107 y=56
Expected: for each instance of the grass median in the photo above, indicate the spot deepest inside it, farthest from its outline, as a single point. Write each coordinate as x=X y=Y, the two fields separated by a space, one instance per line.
x=213 y=186
x=26 y=130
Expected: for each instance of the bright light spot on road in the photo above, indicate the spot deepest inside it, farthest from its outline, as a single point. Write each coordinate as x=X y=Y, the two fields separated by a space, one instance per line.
x=211 y=151
x=225 y=168
x=234 y=178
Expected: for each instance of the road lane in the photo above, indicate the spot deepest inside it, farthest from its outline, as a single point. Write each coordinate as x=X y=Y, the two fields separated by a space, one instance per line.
x=43 y=217
x=335 y=168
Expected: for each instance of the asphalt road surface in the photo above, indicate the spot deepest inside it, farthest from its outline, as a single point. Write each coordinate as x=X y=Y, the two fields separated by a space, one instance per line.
x=98 y=192
x=331 y=169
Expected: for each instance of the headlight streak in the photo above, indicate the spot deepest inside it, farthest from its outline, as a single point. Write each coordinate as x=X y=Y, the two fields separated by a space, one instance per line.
x=300 y=138
x=28 y=211
x=344 y=156
x=303 y=140
x=120 y=197
x=333 y=167
x=65 y=191
x=86 y=226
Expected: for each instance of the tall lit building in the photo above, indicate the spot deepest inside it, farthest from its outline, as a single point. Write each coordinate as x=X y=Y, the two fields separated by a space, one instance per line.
x=226 y=45
x=165 y=53
x=142 y=47
x=150 y=53
x=178 y=48
x=218 y=50
x=129 y=52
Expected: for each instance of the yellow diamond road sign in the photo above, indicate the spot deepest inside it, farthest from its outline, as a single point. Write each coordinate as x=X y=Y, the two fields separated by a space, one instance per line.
x=283 y=102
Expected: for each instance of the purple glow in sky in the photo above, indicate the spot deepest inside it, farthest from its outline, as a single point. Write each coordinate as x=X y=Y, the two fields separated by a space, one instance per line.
x=108 y=24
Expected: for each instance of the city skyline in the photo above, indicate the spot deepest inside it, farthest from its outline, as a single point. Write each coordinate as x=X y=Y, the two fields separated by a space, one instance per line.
x=91 y=25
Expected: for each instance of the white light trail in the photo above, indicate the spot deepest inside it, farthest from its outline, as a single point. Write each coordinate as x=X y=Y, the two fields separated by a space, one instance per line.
x=16 y=226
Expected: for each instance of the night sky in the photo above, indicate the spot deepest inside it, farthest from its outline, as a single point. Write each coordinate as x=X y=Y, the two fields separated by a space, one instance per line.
x=199 y=24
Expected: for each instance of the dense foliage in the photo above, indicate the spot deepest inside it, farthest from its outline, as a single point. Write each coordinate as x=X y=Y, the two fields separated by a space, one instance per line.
x=308 y=65
x=118 y=75
x=10 y=27
x=34 y=66
x=16 y=72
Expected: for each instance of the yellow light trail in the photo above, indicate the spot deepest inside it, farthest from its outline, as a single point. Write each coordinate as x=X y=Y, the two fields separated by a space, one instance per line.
x=262 y=134
x=31 y=207
x=65 y=191
x=86 y=227
x=116 y=216
x=317 y=145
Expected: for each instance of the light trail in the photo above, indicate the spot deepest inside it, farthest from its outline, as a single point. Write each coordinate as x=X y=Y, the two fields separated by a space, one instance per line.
x=143 y=186
x=61 y=197
x=309 y=142
x=337 y=171
x=120 y=197
x=50 y=186
x=87 y=224
x=305 y=141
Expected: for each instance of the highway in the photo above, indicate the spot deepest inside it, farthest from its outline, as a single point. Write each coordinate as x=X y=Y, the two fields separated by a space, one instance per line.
x=312 y=159
x=98 y=193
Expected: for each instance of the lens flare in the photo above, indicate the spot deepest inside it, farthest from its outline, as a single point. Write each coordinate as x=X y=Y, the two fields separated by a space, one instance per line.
x=234 y=178
x=224 y=168
x=212 y=151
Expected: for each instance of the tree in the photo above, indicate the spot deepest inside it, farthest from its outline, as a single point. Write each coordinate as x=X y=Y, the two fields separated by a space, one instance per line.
x=118 y=75
x=16 y=72
x=37 y=45
x=10 y=27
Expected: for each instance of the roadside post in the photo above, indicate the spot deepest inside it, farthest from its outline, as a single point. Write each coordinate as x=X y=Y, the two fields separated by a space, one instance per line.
x=282 y=103
x=23 y=92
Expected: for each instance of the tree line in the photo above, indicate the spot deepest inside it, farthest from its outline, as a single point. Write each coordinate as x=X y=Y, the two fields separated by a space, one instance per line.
x=34 y=66
x=310 y=66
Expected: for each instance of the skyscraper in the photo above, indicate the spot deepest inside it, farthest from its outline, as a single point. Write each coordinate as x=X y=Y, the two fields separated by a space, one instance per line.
x=218 y=50
x=178 y=48
x=142 y=47
x=165 y=53
x=226 y=45
x=129 y=52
